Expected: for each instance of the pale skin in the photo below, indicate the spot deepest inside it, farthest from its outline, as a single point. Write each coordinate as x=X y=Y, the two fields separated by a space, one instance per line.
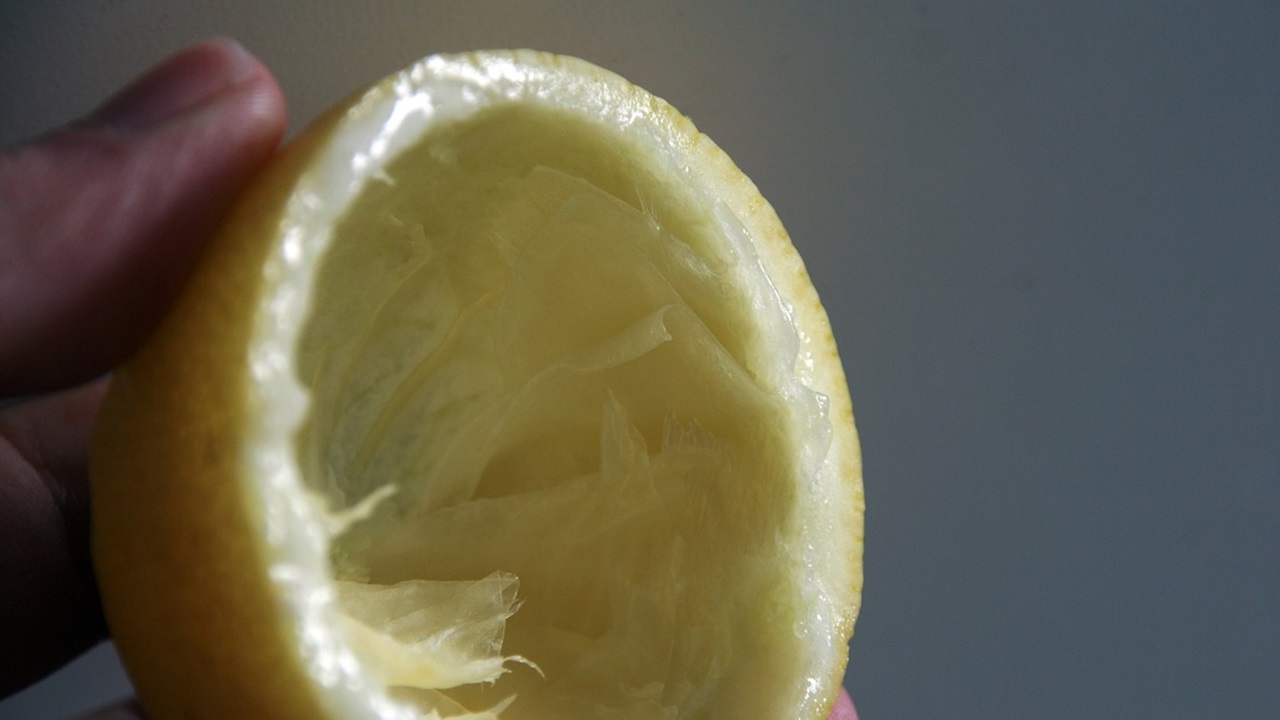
x=101 y=223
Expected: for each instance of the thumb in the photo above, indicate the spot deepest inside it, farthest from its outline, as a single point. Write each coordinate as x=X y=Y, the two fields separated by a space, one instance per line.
x=101 y=222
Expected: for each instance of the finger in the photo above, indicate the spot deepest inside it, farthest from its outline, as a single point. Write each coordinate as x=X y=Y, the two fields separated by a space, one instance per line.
x=99 y=225
x=102 y=222
x=49 y=609
x=844 y=709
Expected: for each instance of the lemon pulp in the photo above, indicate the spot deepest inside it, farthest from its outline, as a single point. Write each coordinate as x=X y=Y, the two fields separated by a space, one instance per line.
x=500 y=393
x=537 y=371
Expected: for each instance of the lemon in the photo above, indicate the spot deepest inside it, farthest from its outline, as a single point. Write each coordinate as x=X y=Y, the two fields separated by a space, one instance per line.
x=501 y=394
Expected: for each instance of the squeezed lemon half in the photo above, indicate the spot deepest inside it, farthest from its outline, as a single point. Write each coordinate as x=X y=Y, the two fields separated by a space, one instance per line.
x=502 y=394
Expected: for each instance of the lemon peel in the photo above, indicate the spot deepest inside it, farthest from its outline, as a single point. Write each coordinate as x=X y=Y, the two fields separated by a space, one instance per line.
x=501 y=321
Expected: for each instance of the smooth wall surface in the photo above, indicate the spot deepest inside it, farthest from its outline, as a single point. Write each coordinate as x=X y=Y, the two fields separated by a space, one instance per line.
x=1048 y=236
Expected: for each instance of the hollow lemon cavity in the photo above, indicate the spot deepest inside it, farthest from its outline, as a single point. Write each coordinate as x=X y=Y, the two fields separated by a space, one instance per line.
x=541 y=364
x=501 y=393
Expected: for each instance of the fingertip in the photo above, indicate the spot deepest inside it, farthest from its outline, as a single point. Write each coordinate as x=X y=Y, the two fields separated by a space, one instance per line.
x=207 y=75
x=102 y=223
x=256 y=94
x=844 y=709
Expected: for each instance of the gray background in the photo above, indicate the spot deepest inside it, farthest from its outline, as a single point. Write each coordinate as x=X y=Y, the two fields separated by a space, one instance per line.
x=1048 y=236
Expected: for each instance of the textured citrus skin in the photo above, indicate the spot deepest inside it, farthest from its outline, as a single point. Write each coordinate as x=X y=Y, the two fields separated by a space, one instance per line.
x=178 y=542
x=176 y=547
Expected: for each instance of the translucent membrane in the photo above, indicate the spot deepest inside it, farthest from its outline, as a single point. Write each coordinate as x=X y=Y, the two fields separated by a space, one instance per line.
x=545 y=353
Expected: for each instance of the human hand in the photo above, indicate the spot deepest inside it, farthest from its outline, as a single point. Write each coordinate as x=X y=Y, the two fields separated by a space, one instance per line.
x=100 y=225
